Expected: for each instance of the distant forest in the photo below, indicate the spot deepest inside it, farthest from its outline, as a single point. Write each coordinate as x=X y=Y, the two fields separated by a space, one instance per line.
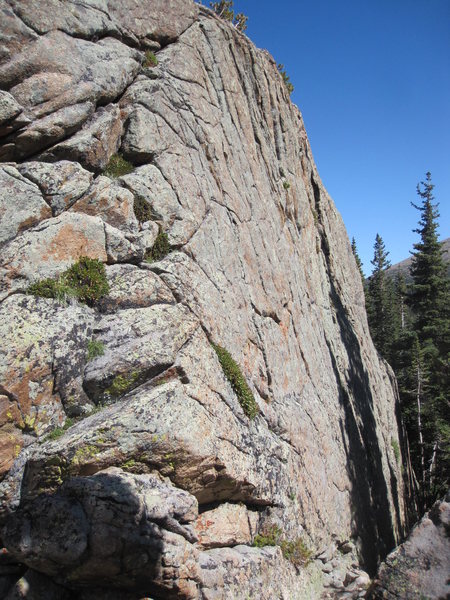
x=408 y=310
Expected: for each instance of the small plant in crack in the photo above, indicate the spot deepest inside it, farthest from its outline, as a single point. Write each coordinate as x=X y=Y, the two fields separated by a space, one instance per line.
x=95 y=348
x=58 y=431
x=143 y=210
x=150 y=60
x=160 y=248
x=117 y=167
x=121 y=384
x=294 y=550
x=286 y=185
x=396 y=449
x=234 y=375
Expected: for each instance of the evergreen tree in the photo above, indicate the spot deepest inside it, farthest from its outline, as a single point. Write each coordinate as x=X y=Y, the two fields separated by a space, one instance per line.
x=358 y=260
x=224 y=9
x=285 y=77
x=402 y=315
x=380 y=300
x=428 y=297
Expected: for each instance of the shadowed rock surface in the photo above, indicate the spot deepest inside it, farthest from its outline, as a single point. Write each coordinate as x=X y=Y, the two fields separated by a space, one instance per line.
x=161 y=483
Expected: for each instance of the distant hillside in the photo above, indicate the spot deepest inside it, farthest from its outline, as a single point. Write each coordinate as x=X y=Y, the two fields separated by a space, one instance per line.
x=404 y=265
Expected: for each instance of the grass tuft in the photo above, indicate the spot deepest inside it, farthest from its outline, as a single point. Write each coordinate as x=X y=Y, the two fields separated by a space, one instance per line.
x=117 y=167
x=58 y=431
x=95 y=348
x=160 y=248
x=295 y=551
x=150 y=59
x=143 y=210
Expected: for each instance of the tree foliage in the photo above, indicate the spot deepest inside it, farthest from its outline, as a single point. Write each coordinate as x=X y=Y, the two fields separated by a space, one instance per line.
x=428 y=295
x=380 y=306
x=286 y=78
x=428 y=298
x=410 y=328
x=357 y=259
x=224 y=9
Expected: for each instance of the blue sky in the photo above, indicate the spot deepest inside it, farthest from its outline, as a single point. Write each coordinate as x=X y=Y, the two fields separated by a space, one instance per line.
x=372 y=79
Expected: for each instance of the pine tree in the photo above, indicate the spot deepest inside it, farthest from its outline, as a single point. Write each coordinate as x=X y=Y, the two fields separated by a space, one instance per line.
x=285 y=77
x=224 y=9
x=358 y=260
x=380 y=300
x=428 y=297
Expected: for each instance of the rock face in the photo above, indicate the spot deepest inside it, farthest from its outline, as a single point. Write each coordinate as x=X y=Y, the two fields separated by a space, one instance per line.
x=419 y=567
x=128 y=466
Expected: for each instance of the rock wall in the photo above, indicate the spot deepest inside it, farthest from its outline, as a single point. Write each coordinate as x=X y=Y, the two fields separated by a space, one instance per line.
x=161 y=482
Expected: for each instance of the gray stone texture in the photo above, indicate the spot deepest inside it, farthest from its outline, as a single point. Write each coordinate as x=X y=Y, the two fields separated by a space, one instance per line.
x=259 y=267
x=419 y=568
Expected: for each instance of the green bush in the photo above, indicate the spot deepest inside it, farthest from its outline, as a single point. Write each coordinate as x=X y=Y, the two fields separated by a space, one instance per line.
x=85 y=280
x=294 y=551
x=95 y=348
x=50 y=288
x=117 y=167
x=286 y=185
x=160 y=248
x=234 y=375
x=150 y=59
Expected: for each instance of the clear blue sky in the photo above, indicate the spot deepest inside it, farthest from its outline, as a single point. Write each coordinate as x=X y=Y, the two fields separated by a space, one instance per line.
x=372 y=79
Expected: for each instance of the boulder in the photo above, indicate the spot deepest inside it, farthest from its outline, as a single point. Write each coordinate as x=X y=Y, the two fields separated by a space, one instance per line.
x=10 y=109
x=139 y=343
x=419 y=567
x=227 y=525
x=132 y=287
x=21 y=204
x=50 y=248
x=144 y=21
x=61 y=183
x=44 y=346
x=92 y=146
x=114 y=528
x=111 y=202
x=59 y=80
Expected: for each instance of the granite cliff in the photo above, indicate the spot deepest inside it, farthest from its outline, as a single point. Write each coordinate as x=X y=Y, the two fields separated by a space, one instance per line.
x=129 y=468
